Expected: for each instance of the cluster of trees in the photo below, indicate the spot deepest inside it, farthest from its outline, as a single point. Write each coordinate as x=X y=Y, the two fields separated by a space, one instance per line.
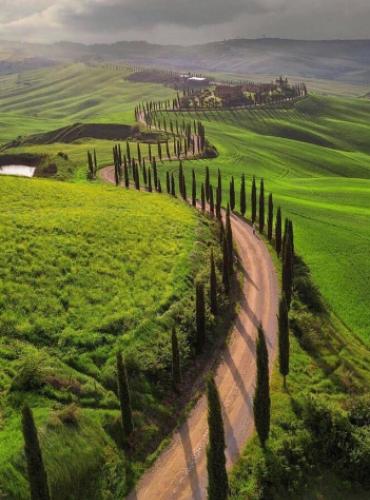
x=228 y=95
x=191 y=137
x=189 y=141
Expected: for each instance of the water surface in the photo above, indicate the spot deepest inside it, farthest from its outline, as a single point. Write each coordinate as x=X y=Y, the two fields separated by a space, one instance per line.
x=19 y=170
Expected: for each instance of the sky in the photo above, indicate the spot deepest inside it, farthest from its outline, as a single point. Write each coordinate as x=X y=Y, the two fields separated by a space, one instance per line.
x=181 y=21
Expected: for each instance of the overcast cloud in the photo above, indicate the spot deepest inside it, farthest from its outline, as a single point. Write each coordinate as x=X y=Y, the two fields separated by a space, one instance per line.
x=181 y=21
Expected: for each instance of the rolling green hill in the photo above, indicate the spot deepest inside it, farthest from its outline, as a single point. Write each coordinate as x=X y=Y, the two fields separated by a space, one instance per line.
x=46 y=99
x=39 y=107
x=343 y=60
x=315 y=159
x=84 y=271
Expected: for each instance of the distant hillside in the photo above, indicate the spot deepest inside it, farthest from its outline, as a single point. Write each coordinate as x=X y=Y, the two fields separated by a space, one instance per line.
x=10 y=65
x=344 y=60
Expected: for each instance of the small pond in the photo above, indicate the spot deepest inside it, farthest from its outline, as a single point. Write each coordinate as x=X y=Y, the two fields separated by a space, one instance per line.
x=20 y=170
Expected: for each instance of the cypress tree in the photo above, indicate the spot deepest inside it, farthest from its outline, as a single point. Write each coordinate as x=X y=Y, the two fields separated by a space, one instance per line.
x=254 y=200
x=138 y=153
x=124 y=396
x=176 y=365
x=91 y=169
x=185 y=197
x=243 y=197
x=232 y=194
x=287 y=277
x=95 y=164
x=137 y=178
x=285 y=236
x=261 y=218
x=291 y=234
x=270 y=218
x=262 y=402
x=207 y=184
x=159 y=151
x=221 y=232
x=278 y=232
x=219 y=189
x=125 y=172
x=116 y=175
x=128 y=152
x=194 y=191
x=218 y=203
x=225 y=266
x=211 y=201
x=173 y=187
x=283 y=320
x=203 y=198
x=213 y=286
x=181 y=180
x=35 y=466
x=159 y=187
x=168 y=183
x=218 y=486
x=200 y=317
x=150 y=188
x=229 y=240
x=155 y=172
x=145 y=177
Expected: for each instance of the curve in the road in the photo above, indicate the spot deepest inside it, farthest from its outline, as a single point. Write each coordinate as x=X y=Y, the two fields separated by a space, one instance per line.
x=180 y=472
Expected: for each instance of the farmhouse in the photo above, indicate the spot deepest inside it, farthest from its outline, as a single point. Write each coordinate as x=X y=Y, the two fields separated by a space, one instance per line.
x=230 y=95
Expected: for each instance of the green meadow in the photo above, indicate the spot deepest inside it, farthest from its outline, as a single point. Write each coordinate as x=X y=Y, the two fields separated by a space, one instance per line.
x=43 y=100
x=86 y=270
x=46 y=99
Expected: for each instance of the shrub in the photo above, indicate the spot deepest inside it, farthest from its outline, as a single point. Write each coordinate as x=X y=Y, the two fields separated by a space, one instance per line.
x=31 y=371
x=69 y=415
x=339 y=443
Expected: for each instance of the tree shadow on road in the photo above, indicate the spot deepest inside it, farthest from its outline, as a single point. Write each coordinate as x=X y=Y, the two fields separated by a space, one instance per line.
x=191 y=462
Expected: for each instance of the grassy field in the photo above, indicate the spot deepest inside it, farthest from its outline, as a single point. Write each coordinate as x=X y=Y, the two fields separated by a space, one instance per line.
x=43 y=100
x=315 y=159
x=84 y=271
x=46 y=99
x=319 y=441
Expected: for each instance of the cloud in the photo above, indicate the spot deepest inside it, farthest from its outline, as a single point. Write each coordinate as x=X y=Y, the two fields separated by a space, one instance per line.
x=116 y=15
x=181 y=21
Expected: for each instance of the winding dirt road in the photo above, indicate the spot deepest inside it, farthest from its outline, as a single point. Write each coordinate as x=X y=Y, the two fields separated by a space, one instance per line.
x=180 y=472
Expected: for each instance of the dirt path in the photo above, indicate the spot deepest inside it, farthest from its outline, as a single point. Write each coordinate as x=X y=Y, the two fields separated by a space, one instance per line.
x=181 y=470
